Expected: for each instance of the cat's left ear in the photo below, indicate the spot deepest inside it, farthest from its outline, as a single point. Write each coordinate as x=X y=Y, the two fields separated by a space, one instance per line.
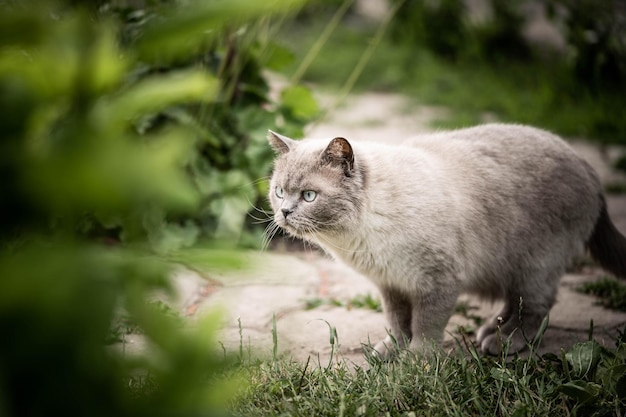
x=339 y=152
x=281 y=144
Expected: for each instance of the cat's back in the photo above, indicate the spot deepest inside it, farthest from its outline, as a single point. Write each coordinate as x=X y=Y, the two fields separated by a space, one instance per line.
x=505 y=154
x=504 y=143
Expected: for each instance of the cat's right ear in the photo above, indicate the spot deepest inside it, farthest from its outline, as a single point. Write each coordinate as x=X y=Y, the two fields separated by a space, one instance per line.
x=281 y=144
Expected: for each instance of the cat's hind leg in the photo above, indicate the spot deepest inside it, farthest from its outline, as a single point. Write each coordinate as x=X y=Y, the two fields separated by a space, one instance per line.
x=519 y=320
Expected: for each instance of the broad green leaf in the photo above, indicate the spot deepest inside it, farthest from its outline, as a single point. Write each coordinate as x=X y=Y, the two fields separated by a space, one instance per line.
x=584 y=358
x=157 y=92
x=581 y=391
x=105 y=67
x=186 y=29
x=114 y=173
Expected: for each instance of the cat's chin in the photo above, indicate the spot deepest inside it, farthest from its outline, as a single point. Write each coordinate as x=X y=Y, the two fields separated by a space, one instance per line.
x=294 y=231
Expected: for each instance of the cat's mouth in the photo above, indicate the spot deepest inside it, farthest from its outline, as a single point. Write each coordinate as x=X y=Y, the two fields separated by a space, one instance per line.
x=292 y=227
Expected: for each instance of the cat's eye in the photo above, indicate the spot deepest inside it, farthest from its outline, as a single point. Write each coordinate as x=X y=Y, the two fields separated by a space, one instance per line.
x=309 y=195
x=279 y=192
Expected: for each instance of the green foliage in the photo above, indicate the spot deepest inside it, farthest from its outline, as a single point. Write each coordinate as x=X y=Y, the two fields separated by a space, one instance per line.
x=125 y=132
x=484 y=70
x=584 y=380
x=594 y=62
x=127 y=113
x=611 y=292
x=422 y=22
x=445 y=27
x=595 y=33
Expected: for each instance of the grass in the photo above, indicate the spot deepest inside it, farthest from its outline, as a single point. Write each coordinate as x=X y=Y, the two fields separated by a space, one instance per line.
x=365 y=301
x=584 y=380
x=534 y=92
x=611 y=293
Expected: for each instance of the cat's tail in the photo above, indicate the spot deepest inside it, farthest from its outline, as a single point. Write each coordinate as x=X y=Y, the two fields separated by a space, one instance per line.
x=607 y=245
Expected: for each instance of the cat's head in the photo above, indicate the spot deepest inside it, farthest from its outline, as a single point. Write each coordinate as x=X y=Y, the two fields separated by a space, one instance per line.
x=316 y=187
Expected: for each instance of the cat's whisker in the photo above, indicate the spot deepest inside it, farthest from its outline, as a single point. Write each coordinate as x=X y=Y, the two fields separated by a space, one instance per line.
x=259 y=209
x=265 y=242
x=269 y=233
x=268 y=216
x=260 y=220
x=255 y=182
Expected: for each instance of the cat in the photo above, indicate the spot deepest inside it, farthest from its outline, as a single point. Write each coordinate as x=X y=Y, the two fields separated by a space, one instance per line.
x=496 y=210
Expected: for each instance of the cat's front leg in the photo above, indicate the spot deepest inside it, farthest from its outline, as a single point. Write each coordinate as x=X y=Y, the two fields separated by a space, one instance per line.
x=430 y=315
x=398 y=310
x=416 y=320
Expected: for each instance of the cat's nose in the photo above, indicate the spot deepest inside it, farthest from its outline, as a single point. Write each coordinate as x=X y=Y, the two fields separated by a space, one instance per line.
x=287 y=212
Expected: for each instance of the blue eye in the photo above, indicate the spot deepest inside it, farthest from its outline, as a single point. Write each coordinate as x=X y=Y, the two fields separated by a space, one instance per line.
x=279 y=192
x=309 y=195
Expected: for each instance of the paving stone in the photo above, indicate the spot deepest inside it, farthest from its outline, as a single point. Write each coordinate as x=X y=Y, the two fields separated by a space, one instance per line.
x=255 y=305
x=308 y=333
x=268 y=268
x=574 y=310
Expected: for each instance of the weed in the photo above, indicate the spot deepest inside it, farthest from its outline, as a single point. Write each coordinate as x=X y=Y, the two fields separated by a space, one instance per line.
x=365 y=301
x=612 y=293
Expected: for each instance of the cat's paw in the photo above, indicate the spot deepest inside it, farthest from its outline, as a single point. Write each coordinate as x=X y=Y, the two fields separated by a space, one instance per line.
x=386 y=349
x=485 y=331
x=497 y=342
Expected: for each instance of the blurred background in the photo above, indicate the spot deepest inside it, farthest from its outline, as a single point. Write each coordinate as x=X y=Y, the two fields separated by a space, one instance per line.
x=134 y=130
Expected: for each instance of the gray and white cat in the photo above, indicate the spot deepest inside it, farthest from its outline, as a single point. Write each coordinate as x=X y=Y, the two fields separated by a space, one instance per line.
x=495 y=210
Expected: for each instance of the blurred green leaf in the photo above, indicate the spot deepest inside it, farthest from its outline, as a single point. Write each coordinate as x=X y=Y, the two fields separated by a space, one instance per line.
x=112 y=173
x=299 y=102
x=233 y=212
x=209 y=258
x=184 y=30
x=156 y=93
x=105 y=67
x=279 y=57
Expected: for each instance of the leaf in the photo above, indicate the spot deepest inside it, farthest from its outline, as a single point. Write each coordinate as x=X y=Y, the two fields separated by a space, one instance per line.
x=542 y=329
x=581 y=391
x=185 y=29
x=620 y=386
x=279 y=57
x=299 y=102
x=156 y=93
x=170 y=237
x=584 y=358
x=501 y=374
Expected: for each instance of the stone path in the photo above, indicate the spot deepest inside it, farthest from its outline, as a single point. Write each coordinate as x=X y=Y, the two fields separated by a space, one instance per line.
x=282 y=285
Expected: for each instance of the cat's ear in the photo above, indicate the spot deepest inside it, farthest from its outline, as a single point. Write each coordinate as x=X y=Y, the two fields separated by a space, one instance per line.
x=339 y=152
x=281 y=144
